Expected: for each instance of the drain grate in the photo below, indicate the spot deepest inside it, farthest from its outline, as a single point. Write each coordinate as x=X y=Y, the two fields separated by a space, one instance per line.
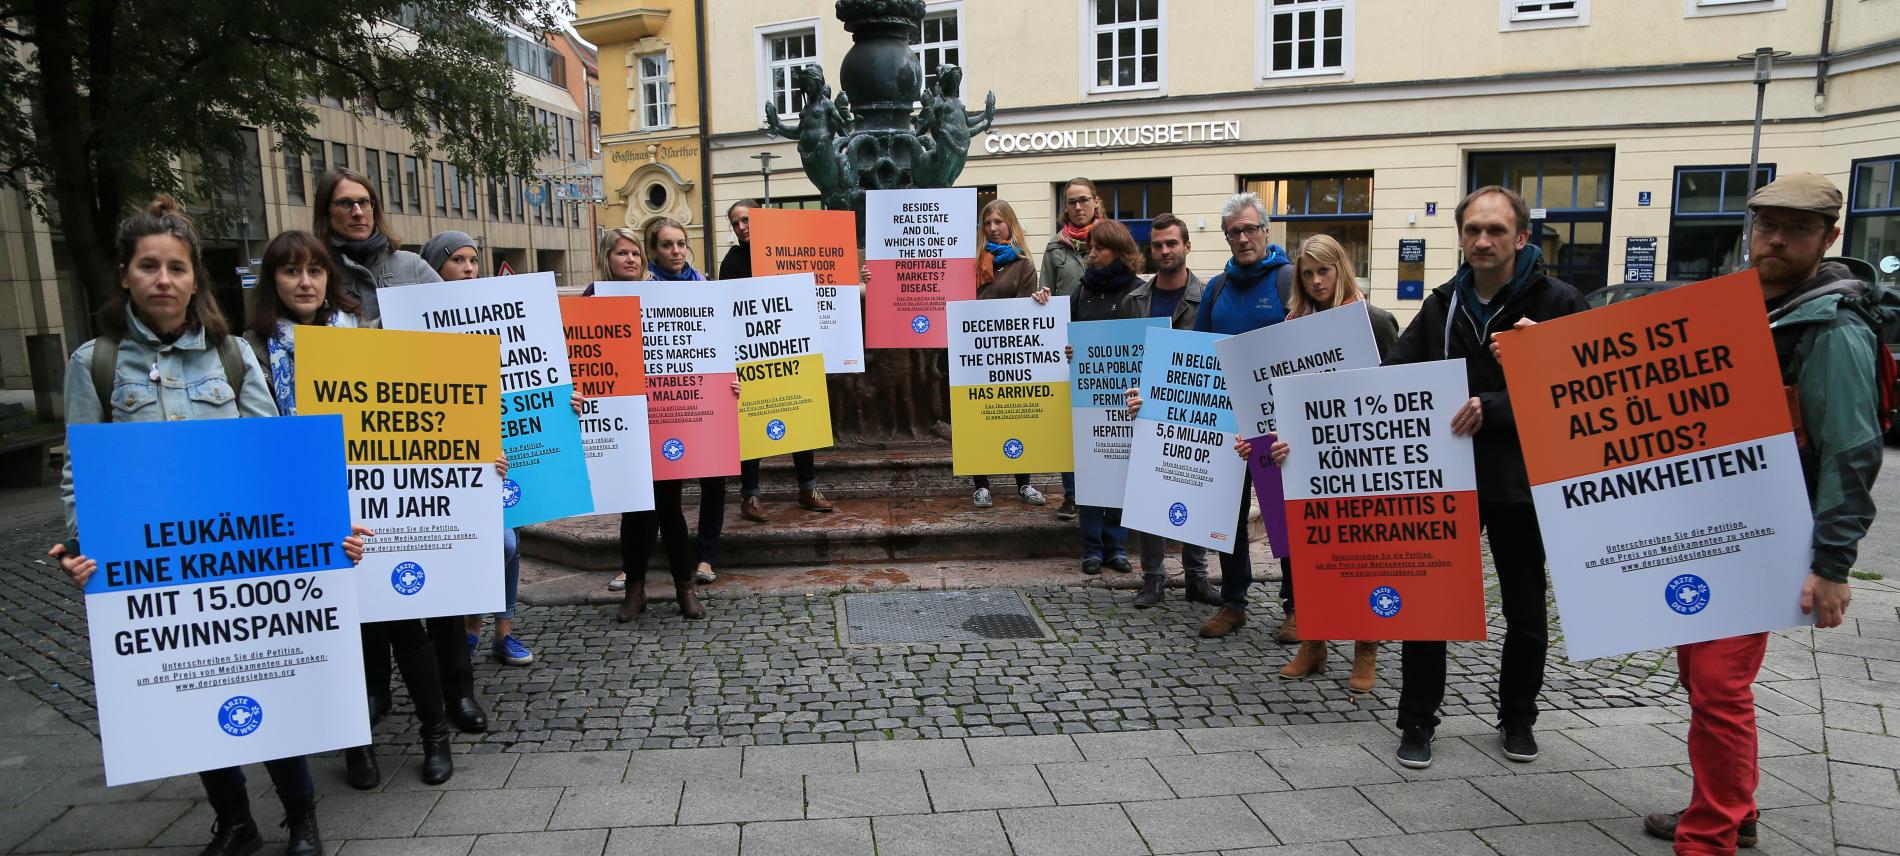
x=939 y=616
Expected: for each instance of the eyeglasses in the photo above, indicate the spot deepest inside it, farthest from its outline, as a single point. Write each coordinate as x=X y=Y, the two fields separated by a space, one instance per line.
x=1245 y=230
x=1079 y=201
x=347 y=206
x=1797 y=229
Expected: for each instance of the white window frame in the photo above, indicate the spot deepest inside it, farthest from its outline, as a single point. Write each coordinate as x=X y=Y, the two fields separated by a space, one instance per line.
x=1089 y=29
x=1263 y=42
x=1713 y=8
x=762 y=42
x=1511 y=19
x=952 y=10
x=664 y=82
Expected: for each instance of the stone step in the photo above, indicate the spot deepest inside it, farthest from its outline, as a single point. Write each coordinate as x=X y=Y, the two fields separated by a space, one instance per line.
x=901 y=528
x=923 y=470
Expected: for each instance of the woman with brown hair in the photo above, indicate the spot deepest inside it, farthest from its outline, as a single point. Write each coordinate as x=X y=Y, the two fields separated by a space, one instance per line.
x=348 y=217
x=1003 y=270
x=1114 y=260
x=170 y=356
x=1063 y=262
x=1324 y=278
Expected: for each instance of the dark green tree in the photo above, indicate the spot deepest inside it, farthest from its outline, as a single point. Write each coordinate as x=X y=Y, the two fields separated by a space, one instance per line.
x=104 y=103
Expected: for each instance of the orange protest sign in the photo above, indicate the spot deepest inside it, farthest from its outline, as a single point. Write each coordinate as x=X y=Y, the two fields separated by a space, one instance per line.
x=604 y=352
x=821 y=243
x=1646 y=379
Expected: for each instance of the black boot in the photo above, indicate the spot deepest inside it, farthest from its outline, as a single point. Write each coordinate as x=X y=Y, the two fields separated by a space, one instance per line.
x=300 y=819
x=437 y=764
x=1150 y=592
x=360 y=768
x=378 y=708
x=1198 y=591
x=234 y=833
x=459 y=703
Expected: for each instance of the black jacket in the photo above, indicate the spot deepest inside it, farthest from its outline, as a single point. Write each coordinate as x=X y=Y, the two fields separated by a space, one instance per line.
x=1500 y=458
x=738 y=262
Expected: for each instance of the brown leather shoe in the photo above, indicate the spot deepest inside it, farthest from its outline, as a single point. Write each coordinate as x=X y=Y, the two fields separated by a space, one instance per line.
x=812 y=500
x=690 y=607
x=1223 y=623
x=633 y=603
x=1289 y=631
x=1365 y=665
x=751 y=508
x=1311 y=660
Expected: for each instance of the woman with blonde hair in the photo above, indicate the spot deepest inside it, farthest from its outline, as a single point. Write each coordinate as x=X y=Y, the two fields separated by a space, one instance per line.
x=1326 y=279
x=1003 y=270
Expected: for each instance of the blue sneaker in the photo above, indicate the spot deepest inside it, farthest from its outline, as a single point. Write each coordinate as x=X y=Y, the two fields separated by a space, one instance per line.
x=509 y=650
x=474 y=644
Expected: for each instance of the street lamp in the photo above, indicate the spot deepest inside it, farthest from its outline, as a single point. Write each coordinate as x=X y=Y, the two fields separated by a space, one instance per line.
x=1764 y=59
x=765 y=160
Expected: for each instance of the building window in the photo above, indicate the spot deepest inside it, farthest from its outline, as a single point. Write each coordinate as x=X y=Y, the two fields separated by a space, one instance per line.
x=656 y=93
x=536 y=60
x=784 y=51
x=1516 y=15
x=317 y=168
x=1705 y=221
x=293 y=178
x=1711 y=8
x=573 y=146
x=393 y=165
x=505 y=211
x=441 y=190
x=373 y=168
x=340 y=155
x=1127 y=45
x=1306 y=37
x=938 y=43
x=1301 y=206
x=1570 y=189
x=411 y=175
x=1873 y=216
x=494 y=198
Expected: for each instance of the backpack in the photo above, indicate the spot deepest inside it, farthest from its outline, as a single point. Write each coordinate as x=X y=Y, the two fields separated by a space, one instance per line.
x=1879 y=309
x=105 y=358
x=1282 y=282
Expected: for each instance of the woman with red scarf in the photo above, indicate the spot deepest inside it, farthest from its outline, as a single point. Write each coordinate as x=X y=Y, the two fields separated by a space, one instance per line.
x=1063 y=262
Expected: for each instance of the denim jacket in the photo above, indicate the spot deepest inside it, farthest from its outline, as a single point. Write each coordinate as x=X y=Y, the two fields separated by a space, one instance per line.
x=191 y=385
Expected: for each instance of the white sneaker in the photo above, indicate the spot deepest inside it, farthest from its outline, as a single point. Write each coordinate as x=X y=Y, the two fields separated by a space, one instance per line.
x=983 y=498
x=1031 y=495
x=704 y=574
x=618 y=583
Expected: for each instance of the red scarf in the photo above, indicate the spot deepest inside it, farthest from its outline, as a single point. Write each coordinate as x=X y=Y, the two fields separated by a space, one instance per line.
x=1078 y=238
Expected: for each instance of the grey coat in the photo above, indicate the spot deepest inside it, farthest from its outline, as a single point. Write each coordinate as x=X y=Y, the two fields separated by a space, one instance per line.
x=400 y=267
x=1136 y=304
x=1062 y=267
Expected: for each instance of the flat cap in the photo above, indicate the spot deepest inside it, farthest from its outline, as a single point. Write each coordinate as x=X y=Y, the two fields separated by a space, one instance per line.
x=1801 y=191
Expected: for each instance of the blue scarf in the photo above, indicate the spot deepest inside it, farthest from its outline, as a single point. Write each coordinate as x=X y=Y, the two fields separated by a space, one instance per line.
x=1002 y=254
x=686 y=274
x=1466 y=285
x=281 y=348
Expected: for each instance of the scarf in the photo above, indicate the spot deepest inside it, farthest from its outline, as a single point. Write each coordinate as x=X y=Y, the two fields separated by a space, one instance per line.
x=364 y=251
x=991 y=257
x=1108 y=279
x=1078 y=238
x=1307 y=306
x=686 y=274
x=1465 y=284
x=282 y=347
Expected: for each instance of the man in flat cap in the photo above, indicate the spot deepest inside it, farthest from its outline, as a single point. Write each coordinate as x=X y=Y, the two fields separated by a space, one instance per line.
x=1824 y=322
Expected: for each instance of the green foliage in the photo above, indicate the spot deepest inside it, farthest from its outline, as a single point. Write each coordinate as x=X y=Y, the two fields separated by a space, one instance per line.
x=107 y=102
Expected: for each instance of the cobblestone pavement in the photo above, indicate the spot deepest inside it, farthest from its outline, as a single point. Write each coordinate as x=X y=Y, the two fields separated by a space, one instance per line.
x=758 y=731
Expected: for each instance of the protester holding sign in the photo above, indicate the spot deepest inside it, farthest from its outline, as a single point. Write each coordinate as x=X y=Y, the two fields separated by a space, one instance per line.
x=668 y=248
x=1831 y=359
x=1114 y=261
x=1003 y=270
x=166 y=353
x=1173 y=293
x=619 y=256
x=348 y=216
x=738 y=265
x=1500 y=283
x=1063 y=261
x=1327 y=279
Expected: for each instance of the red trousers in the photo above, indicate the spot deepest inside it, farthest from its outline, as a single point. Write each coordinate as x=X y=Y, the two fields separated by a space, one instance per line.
x=1719 y=676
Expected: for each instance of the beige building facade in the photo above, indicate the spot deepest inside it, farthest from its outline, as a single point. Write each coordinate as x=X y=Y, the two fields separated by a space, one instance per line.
x=41 y=321
x=1626 y=124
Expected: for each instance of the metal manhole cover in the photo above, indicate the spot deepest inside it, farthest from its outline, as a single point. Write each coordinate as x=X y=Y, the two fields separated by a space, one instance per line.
x=939 y=616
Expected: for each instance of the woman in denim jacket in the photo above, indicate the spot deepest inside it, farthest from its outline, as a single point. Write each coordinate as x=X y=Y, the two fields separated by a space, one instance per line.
x=173 y=348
